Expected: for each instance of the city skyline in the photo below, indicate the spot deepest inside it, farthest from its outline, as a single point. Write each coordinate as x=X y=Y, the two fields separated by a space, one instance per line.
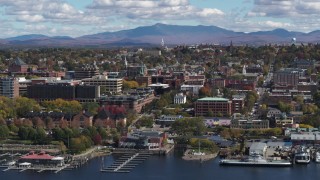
x=76 y=18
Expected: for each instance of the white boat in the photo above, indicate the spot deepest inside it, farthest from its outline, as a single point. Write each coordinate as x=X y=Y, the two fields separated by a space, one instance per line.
x=302 y=156
x=317 y=157
x=255 y=160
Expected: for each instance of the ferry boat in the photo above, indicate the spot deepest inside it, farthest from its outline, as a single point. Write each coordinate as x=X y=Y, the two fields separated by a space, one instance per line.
x=255 y=160
x=317 y=157
x=302 y=155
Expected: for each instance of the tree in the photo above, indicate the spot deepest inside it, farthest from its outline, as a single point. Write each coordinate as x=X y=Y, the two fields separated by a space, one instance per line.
x=24 y=105
x=189 y=126
x=58 y=134
x=205 y=91
x=97 y=139
x=260 y=81
x=284 y=107
x=146 y=121
x=130 y=84
x=316 y=98
x=299 y=99
x=23 y=133
x=41 y=134
x=91 y=107
x=13 y=128
x=4 y=131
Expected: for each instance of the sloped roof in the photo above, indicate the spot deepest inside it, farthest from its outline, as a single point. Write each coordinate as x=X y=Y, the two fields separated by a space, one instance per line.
x=18 y=62
x=41 y=155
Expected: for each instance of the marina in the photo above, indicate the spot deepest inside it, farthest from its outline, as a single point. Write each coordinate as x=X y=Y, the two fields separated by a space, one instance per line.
x=126 y=163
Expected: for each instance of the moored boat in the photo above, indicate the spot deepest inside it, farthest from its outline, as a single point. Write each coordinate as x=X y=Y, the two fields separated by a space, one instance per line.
x=255 y=160
x=302 y=155
x=317 y=157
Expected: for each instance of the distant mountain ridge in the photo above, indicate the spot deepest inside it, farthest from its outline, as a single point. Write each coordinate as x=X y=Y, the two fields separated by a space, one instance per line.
x=172 y=34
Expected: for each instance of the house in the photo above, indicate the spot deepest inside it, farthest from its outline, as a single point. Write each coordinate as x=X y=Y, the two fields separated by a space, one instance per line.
x=110 y=116
x=82 y=119
x=273 y=112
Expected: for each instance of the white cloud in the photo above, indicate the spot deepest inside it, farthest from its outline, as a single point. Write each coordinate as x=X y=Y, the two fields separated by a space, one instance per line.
x=30 y=18
x=154 y=9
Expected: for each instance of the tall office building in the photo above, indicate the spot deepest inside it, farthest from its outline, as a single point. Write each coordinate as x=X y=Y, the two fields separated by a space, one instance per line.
x=9 y=87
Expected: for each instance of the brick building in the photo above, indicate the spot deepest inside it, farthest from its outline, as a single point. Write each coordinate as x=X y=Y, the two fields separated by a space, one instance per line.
x=213 y=104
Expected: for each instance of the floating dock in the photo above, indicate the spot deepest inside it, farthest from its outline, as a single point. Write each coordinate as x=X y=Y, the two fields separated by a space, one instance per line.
x=126 y=163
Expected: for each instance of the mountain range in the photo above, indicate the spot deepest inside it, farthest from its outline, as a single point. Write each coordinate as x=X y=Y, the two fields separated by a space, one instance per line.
x=172 y=35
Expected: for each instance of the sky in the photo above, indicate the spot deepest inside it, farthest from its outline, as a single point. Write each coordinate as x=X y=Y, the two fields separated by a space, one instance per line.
x=81 y=17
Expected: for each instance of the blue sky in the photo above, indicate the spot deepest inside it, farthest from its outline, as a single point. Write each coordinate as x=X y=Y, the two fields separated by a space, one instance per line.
x=80 y=17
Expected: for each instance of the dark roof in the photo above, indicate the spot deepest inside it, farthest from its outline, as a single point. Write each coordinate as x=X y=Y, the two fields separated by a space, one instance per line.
x=112 y=112
x=18 y=62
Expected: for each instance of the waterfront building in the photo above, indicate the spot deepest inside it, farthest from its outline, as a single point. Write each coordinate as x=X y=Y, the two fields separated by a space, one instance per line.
x=9 y=87
x=258 y=148
x=41 y=159
x=305 y=137
x=213 y=104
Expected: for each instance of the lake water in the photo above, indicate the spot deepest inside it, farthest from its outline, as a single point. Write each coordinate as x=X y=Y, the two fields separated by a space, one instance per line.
x=172 y=167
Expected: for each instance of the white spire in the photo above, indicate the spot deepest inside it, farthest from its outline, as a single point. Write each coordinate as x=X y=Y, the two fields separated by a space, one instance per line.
x=162 y=42
x=125 y=62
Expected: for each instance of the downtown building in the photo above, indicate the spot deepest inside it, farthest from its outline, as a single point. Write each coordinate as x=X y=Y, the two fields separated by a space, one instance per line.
x=86 y=71
x=107 y=85
x=65 y=89
x=213 y=105
x=9 y=87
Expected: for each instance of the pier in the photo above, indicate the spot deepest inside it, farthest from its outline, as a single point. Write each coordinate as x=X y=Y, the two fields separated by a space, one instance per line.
x=37 y=169
x=126 y=163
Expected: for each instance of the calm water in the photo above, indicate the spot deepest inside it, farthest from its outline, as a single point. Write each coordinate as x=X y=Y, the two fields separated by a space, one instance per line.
x=173 y=167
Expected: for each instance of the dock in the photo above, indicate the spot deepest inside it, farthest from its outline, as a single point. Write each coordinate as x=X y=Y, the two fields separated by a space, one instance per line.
x=126 y=163
x=37 y=169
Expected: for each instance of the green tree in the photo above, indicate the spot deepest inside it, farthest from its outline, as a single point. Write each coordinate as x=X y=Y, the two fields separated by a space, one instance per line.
x=92 y=107
x=284 y=107
x=146 y=121
x=4 y=131
x=13 y=128
x=189 y=126
x=23 y=133
x=41 y=135
x=24 y=105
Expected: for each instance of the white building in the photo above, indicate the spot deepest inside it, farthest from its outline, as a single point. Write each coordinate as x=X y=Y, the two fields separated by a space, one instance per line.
x=113 y=85
x=180 y=98
x=194 y=89
x=258 y=148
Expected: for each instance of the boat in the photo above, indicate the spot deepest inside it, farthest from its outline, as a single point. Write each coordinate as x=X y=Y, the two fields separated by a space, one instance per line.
x=317 y=157
x=255 y=160
x=302 y=155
